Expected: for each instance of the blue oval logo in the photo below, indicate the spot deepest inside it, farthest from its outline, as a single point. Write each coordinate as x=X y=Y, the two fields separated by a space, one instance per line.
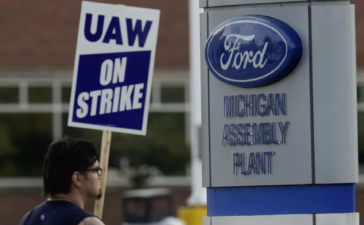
x=252 y=51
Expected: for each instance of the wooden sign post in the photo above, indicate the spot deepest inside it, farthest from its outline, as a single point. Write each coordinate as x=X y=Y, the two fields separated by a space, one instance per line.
x=104 y=162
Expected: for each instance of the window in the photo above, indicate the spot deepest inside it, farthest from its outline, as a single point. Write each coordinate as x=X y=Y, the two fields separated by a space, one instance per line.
x=30 y=120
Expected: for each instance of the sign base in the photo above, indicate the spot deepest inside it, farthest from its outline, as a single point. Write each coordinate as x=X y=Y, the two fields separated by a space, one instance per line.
x=298 y=219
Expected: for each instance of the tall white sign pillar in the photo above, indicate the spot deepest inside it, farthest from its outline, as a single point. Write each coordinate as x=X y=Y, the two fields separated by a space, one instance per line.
x=279 y=117
x=198 y=193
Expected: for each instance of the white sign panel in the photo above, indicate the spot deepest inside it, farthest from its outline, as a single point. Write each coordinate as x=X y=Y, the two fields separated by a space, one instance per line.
x=113 y=68
x=269 y=102
x=297 y=219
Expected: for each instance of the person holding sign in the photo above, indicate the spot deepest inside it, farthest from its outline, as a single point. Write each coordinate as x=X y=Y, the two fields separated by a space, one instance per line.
x=71 y=179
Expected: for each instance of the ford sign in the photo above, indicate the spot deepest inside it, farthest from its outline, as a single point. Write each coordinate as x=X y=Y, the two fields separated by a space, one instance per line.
x=252 y=51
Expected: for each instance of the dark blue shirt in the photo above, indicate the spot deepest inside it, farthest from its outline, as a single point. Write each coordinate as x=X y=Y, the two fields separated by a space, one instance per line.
x=55 y=213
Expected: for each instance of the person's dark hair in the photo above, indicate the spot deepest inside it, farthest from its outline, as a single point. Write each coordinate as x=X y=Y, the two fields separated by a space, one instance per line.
x=63 y=158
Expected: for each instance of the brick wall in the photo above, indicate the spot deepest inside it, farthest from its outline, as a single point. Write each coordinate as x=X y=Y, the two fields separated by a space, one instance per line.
x=359 y=19
x=42 y=33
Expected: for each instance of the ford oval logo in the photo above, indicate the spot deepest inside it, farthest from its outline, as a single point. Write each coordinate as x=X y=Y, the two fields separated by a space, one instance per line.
x=252 y=51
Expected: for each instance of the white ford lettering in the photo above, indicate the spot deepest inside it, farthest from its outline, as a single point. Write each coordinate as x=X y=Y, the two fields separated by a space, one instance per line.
x=249 y=56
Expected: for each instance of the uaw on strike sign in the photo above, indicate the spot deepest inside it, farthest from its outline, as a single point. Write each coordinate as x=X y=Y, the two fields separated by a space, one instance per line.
x=113 y=68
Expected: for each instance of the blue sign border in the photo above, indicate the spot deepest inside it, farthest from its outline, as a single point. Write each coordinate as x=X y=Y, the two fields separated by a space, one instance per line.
x=281 y=200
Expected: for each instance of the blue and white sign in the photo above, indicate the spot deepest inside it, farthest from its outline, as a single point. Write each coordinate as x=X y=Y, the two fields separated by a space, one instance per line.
x=113 y=68
x=271 y=153
x=252 y=51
